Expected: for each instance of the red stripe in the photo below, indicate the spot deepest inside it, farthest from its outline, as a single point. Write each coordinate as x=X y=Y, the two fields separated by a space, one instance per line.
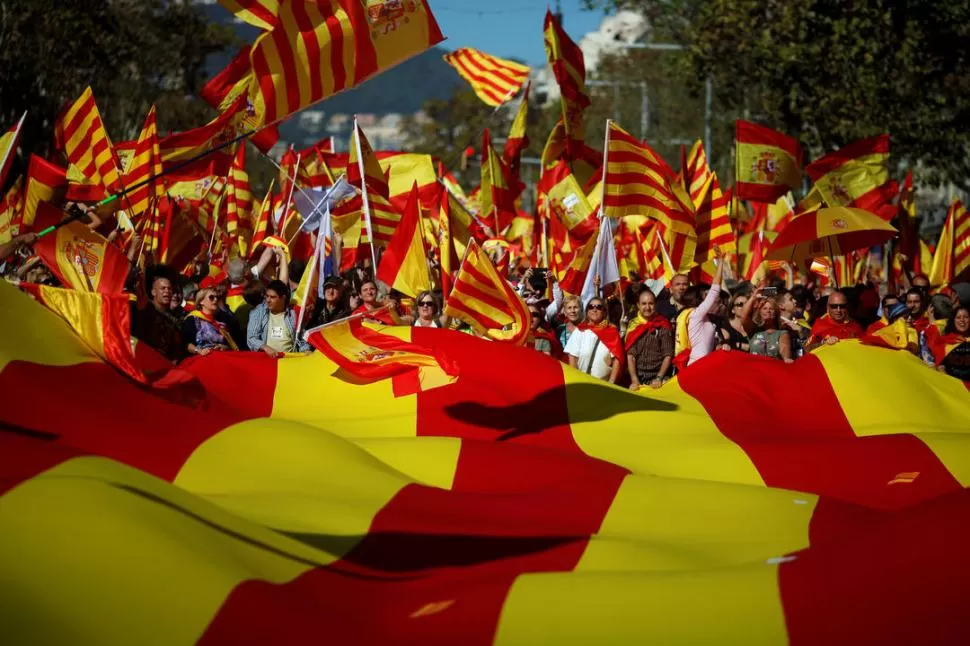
x=486 y=87
x=71 y=128
x=288 y=63
x=337 y=70
x=456 y=303
x=256 y=8
x=750 y=133
x=878 y=145
x=485 y=279
x=365 y=57
x=309 y=36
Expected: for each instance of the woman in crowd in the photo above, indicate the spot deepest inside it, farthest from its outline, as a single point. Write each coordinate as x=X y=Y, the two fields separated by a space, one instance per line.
x=595 y=346
x=733 y=332
x=426 y=310
x=649 y=344
x=951 y=350
x=272 y=325
x=201 y=330
x=371 y=307
x=701 y=328
x=541 y=338
x=572 y=316
x=769 y=340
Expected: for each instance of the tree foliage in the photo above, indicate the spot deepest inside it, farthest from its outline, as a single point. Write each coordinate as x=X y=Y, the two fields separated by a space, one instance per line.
x=832 y=71
x=132 y=52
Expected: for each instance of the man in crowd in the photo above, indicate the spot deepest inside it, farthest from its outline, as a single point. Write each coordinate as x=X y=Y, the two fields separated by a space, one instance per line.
x=154 y=323
x=671 y=307
x=835 y=325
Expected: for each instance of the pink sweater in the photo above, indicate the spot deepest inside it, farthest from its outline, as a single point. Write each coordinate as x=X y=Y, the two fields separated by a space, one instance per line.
x=700 y=329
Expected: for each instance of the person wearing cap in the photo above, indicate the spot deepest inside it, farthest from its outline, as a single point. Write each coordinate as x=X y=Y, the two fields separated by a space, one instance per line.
x=332 y=308
x=272 y=325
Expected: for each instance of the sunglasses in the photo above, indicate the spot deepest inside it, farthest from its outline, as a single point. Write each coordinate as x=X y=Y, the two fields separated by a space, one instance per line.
x=738 y=304
x=595 y=307
x=426 y=304
x=837 y=306
x=211 y=297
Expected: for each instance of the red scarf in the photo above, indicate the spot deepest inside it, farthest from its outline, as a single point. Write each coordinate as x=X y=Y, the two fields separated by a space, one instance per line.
x=199 y=314
x=640 y=326
x=608 y=336
x=826 y=327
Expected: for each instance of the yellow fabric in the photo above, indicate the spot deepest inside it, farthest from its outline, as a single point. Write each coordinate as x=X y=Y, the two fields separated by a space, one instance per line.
x=767 y=165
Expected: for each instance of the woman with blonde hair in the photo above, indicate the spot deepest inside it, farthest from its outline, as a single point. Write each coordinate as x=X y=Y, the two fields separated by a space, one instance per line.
x=201 y=331
x=770 y=340
x=572 y=316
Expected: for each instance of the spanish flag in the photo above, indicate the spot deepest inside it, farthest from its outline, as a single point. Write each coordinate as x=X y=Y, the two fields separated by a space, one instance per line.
x=769 y=164
x=368 y=354
x=856 y=175
x=404 y=265
x=494 y=80
x=45 y=181
x=78 y=256
x=485 y=301
x=499 y=189
x=518 y=139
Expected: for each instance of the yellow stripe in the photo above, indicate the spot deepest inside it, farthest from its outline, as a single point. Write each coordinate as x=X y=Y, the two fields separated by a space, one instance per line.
x=675 y=438
x=637 y=608
x=90 y=533
x=287 y=22
x=937 y=406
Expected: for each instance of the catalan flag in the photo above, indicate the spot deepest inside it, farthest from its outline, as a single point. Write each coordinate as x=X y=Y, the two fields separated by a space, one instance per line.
x=146 y=163
x=696 y=172
x=80 y=133
x=225 y=88
x=78 y=256
x=261 y=225
x=638 y=182
x=365 y=172
x=494 y=80
x=951 y=260
x=569 y=69
x=713 y=221
x=545 y=509
x=315 y=50
x=484 y=300
x=404 y=265
x=8 y=147
x=239 y=205
x=498 y=193
x=769 y=164
x=518 y=139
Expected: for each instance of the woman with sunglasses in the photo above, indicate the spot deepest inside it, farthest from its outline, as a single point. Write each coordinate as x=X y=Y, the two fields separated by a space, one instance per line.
x=201 y=330
x=734 y=332
x=426 y=310
x=595 y=346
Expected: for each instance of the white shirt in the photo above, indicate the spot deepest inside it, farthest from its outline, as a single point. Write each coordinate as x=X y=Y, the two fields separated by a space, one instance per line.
x=580 y=345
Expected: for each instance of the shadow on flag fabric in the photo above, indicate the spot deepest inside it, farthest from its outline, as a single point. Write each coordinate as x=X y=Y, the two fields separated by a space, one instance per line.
x=484 y=300
x=370 y=353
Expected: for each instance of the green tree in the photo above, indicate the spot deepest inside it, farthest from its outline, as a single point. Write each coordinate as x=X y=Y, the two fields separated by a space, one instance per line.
x=832 y=71
x=132 y=52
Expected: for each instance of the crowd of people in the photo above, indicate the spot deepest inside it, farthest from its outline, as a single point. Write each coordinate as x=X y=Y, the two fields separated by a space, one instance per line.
x=641 y=335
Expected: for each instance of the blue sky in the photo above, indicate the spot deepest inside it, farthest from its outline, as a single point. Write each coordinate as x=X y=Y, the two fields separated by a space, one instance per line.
x=508 y=28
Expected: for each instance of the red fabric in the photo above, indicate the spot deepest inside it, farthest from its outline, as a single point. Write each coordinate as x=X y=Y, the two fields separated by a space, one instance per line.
x=608 y=336
x=680 y=361
x=639 y=326
x=542 y=333
x=381 y=314
x=878 y=325
x=826 y=327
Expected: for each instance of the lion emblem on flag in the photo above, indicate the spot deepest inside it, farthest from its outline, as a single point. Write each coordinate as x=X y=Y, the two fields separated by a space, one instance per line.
x=840 y=192
x=765 y=168
x=371 y=355
x=384 y=15
x=84 y=254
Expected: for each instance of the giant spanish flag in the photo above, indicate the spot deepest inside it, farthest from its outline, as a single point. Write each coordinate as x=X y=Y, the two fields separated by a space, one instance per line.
x=524 y=503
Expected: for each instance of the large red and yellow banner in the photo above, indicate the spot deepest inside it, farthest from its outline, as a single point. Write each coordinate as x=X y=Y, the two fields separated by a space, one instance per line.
x=523 y=503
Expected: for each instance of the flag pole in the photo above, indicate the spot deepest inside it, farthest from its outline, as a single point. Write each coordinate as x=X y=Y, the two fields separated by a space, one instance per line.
x=364 y=199
x=606 y=150
x=315 y=210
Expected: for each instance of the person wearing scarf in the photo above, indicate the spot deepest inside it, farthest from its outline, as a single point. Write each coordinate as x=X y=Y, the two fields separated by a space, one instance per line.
x=889 y=303
x=649 y=344
x=202 y=331
x=835 y=325
x=542 y=339
x=371 y=309
x=595 y=346
x=951 y=349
